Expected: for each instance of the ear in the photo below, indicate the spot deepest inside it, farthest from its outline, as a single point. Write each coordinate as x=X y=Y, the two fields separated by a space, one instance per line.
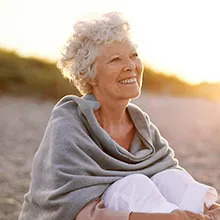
x=93 y=83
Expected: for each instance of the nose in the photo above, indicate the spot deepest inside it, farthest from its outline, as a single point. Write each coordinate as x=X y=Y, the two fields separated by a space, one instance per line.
x=129 y=65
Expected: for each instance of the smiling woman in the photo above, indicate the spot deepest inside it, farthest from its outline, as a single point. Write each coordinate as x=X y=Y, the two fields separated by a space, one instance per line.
x=118 y=79
x=118 y=72
x=101 y=157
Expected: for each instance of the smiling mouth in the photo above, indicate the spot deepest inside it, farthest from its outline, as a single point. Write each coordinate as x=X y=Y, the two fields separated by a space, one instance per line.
x=128 y=81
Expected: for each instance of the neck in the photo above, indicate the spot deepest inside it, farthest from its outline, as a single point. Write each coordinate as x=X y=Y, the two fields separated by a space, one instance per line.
x=112 y=113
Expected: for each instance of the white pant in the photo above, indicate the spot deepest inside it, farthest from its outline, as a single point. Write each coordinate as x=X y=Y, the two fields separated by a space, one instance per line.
x=164 y=192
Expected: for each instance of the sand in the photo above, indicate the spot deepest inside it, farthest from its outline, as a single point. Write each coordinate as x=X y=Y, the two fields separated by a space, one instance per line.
x=191 y=126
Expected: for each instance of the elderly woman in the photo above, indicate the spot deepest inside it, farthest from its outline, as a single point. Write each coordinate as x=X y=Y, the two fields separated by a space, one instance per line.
x=101 y=157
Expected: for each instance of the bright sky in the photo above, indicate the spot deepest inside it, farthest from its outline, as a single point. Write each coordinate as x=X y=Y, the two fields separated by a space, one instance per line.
x=181 y=37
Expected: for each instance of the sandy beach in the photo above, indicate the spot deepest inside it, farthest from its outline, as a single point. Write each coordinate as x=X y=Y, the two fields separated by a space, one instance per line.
x=191 y=126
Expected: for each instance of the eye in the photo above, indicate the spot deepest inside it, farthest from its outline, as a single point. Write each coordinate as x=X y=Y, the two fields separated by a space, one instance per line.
x=135 y=55
x=115 y=59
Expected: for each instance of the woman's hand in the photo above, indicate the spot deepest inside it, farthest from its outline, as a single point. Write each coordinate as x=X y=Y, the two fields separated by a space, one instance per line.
x=214 y=206
x=214 y=211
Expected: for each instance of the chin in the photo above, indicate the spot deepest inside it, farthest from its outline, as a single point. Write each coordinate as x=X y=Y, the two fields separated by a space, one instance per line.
x=134 y=95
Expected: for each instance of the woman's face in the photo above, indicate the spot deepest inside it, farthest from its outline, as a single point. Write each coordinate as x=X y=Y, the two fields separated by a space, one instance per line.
x=118 y=71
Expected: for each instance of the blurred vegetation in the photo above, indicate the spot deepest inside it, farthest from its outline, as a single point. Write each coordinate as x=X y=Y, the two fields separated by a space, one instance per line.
x=160 y=83
x=31 y=76
x=39 y=78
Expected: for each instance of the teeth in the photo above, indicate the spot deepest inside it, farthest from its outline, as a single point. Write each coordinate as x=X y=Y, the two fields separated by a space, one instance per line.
x=128 y=81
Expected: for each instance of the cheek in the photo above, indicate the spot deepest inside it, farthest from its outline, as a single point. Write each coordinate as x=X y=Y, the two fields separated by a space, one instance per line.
x=102 y=73
x=112 y=72
x=139 y=67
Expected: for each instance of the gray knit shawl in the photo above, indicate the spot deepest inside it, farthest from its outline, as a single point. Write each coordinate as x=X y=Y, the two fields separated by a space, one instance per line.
x=77 y=160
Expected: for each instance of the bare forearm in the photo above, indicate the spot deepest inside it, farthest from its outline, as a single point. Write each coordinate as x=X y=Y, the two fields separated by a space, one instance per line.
x=175 y=215
x=151 y=216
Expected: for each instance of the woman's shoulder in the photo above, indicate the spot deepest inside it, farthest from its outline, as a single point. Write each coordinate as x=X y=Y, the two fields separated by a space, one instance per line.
x=67 y=107
x=67 y=103
x=65 y=119
x=71 y=104
x=65 y=112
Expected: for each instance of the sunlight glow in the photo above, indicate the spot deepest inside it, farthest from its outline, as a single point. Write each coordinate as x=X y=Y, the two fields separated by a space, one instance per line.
x=177 y=37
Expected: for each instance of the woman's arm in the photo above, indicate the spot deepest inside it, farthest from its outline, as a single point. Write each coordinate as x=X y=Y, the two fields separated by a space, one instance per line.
x=214 y=210
x=151 y=216
x=175 y=215
x=95 y=210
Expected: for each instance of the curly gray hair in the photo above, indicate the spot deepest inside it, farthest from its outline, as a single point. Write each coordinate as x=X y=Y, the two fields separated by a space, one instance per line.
x=78 y=57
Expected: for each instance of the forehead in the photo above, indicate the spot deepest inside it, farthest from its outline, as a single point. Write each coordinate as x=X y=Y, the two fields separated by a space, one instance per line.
x=109 y=49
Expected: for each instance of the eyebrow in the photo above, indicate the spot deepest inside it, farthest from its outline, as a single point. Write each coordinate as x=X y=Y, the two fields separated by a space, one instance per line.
x=118 y=54
x=114 y=55
x=109 y=58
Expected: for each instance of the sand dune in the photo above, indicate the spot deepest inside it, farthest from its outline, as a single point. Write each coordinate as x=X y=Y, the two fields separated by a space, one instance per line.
x=192 y=127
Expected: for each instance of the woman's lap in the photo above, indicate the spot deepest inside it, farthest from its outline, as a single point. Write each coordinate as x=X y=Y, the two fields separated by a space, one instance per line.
x=168 y=190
